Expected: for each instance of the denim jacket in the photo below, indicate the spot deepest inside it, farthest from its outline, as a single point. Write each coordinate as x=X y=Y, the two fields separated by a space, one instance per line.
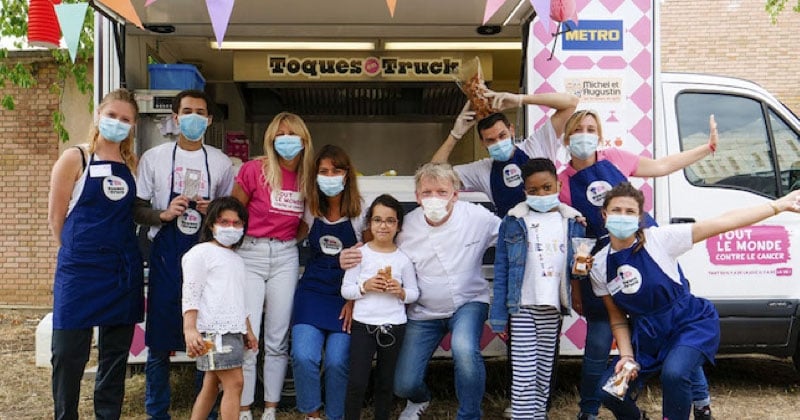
x=509 y=263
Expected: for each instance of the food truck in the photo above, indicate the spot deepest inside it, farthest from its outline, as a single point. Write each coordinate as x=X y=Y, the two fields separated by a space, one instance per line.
x=378 y=80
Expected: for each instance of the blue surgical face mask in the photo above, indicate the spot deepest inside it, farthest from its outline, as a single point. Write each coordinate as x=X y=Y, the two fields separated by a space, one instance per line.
x=288 y=146
x=622 y=226
x=502 y=150
x=330 y=185
x=193 y=126
x=113 y=130
x=582 y=145
x=542 y=203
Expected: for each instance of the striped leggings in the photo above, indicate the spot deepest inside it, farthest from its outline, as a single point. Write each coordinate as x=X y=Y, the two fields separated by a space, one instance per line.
x=535 y=332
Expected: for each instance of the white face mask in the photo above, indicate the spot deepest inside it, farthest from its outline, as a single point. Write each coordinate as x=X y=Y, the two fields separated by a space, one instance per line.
x=227 y=236
x=435 y=208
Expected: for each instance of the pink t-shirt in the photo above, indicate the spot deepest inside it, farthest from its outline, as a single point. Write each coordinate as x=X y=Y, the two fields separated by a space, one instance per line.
x=271 y=215
x=626 y=162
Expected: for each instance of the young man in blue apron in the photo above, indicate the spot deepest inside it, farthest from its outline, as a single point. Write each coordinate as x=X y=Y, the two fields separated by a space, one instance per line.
x=175 y=183
x=499 y=176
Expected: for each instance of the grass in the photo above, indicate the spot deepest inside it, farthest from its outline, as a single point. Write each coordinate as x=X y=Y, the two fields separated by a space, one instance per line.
x=741 y=388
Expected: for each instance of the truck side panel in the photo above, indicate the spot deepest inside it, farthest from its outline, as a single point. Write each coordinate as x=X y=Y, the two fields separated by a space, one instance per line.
x=751 y=274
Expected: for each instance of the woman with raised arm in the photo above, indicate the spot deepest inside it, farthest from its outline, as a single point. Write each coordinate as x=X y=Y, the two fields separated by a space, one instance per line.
x=669 y=330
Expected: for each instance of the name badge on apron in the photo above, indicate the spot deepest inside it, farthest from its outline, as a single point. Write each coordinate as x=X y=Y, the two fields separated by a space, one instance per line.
x=512 y=175
x=189 y=222
x=615 y=285
x=114 y=187
x=100 y=171
x=330 y=245
x=596 y=193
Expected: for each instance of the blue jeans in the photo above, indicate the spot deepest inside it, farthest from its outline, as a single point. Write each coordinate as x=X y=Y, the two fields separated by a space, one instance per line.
x=679 y=369
x=595 y=363
x=421 y=339
x=157 y=390
x=307 y=357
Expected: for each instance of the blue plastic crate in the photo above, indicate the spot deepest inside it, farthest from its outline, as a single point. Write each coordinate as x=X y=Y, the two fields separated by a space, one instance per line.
x=175 y=76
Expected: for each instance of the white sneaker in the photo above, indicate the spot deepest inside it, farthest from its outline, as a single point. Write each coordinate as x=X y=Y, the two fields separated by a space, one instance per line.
x=413 y=410
x=246 y=415
x=269 y=413
x=508 y=413
x=313 y=418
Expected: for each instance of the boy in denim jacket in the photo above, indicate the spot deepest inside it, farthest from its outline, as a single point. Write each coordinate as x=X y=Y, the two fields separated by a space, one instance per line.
x=532 y=284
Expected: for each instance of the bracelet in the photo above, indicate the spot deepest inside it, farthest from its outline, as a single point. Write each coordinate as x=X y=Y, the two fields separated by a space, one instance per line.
x=713 y=147
x=629 y=356
x=453 y=133
x=361 y=289
x=775 y=207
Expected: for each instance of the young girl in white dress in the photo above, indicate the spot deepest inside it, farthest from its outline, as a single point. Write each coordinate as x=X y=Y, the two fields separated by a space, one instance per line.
x=215 y=323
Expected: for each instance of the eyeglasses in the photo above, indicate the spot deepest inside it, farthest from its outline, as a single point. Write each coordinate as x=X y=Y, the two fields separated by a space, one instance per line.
x=388 y=222
x=229 y=223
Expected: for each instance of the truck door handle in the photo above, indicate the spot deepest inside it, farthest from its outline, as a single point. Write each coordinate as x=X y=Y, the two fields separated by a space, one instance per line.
x=682 y=220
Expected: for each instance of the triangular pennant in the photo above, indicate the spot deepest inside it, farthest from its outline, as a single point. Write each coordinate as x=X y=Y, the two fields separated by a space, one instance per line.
x=220 y=13
x=491 y=8
x=125 y=9
x=542 y=8
x=149 y=2
x=391 y=4
x=70 y=18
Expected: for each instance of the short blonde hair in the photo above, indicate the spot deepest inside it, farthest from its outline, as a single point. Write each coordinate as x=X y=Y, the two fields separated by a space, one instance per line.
x=576 y=119
x=439 y=172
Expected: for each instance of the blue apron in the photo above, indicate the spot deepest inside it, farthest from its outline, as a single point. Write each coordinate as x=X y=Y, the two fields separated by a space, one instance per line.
x=504 y=196
x=318 y=299
x=663 y=313
x=164 y=316
x=99 y=277
x=588 y=188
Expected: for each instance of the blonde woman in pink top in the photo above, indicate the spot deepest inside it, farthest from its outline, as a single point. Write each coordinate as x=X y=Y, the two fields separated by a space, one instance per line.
x=272 y=188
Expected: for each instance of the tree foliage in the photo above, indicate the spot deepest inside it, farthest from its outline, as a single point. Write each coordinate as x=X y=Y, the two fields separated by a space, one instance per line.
x=775 y=7
x=14 y=25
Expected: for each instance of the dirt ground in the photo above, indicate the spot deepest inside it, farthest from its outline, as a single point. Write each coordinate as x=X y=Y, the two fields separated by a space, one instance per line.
x=741 y=388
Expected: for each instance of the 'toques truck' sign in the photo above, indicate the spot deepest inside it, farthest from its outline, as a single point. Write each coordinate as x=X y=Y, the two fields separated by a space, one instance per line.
x=324 y=67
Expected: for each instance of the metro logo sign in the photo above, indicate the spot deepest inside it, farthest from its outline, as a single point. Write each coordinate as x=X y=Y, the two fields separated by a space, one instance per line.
x=595 y=35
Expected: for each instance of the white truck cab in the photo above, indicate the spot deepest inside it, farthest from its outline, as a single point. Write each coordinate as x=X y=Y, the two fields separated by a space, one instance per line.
x=752 y=275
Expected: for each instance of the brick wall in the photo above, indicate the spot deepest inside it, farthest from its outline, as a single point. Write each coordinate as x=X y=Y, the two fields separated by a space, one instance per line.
x=28 y=149
x=734 y=38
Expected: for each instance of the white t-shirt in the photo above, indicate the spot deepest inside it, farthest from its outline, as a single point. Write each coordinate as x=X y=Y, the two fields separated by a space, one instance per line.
x=664 y=244
x=380 y=308
x=448 y=258
x=546 y=259
x=543 y=143
x=153 y=177
x=213 y=284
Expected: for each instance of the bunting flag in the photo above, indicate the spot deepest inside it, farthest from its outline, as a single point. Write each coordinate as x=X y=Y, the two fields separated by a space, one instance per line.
x=220 y=13
x=70 y=18
x=149 y=2
x=542 y=8
x=391 y=4
x=125 y=9
x=492 y=6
